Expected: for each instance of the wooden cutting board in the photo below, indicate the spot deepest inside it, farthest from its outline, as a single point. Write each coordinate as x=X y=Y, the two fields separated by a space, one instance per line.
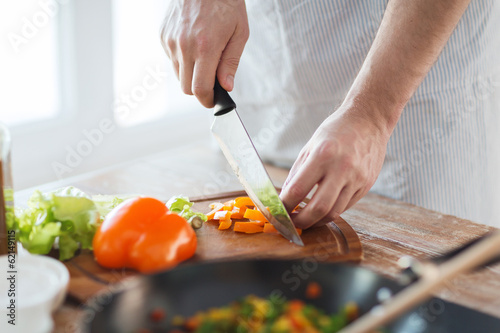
x=334 y=242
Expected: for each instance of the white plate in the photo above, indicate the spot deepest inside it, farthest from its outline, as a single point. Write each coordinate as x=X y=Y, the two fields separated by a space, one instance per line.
x=39 y=285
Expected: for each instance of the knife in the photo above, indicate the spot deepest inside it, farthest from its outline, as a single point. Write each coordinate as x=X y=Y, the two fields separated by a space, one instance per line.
x=240 y=152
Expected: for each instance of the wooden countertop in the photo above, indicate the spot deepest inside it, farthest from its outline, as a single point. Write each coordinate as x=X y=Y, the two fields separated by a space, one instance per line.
x=388 y=229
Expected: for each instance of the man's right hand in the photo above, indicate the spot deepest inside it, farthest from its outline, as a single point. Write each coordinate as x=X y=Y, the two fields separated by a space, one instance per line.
x=204 y=39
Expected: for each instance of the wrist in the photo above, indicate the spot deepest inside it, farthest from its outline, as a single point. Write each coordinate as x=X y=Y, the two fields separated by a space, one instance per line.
x=381 y=108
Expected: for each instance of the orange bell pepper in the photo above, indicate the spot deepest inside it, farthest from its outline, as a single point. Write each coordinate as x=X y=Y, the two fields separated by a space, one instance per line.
x=248 y=227
x=269 y=228
x=222 y=215
x=216 y=206
x=254 y=214
x=243 y=201
x=237 y=213
x=225 y=224
x=228 y=205
x=142 y=234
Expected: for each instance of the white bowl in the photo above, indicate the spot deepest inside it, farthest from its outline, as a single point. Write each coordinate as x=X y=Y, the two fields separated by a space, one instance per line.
x=37 y=286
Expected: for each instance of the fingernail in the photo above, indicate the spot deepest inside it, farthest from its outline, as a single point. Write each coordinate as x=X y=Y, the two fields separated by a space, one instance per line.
x=230 y=82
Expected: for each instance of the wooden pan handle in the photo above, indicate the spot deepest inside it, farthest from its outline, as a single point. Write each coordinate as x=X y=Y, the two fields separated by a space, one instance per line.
x=433 y=277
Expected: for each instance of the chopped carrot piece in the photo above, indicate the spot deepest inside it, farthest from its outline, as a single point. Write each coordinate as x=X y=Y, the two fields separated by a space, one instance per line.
x=295 y=305
x=254 y=214
x=216 y=206
x=192 y=323
x=237 y=213
x=243 y=210
x=248 y=227
x=269 y=228
x=313 y=290
x=157 y=315
x=261 y=223
x=222 y=215
x=243 y=201
x=228 y=205
x=225 y=224
x=298 y=320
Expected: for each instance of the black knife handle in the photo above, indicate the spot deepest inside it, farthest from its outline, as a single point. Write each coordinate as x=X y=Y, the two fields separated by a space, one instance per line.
x=223 y=102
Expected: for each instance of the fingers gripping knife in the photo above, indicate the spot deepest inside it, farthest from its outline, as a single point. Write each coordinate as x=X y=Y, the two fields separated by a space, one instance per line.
x=240 y=152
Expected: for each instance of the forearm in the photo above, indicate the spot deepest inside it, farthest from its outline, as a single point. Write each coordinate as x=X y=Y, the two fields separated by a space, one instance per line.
x=408 y=42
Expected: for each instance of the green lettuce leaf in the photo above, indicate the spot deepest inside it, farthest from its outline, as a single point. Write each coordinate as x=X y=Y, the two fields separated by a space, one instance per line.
x=67 y=247
x=176 y=203
x=181 y=205
x=67 y=214
x=106 y=203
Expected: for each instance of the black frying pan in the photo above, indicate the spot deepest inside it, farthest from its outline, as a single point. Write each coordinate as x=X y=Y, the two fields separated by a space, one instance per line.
x=190 y=288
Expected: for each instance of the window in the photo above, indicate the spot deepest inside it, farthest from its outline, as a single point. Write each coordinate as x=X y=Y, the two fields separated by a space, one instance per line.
x=145 y=85
x=29 y=80
x=92 y=88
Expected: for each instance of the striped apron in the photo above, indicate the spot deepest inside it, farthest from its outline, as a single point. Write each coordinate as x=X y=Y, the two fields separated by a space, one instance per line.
x=444 y=154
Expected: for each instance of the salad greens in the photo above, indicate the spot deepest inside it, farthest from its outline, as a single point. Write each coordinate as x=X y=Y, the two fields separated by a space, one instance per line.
x=106 y=203
x=69 y=217
x=67 y=214
x=181 y=205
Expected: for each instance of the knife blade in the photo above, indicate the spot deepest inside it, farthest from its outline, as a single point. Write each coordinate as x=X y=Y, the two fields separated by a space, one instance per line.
x=240 y=152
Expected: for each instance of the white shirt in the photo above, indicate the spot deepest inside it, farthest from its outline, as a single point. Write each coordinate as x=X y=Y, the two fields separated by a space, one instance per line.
x=444 y=154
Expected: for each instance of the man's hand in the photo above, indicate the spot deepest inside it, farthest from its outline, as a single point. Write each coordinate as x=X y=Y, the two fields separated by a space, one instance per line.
x=345 y=155
x=204 y=39
x=344 y=158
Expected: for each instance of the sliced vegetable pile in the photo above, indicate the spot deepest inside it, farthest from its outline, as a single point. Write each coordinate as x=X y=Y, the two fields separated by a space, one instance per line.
x=128 y=231
x=253 y=314
x=239 y=209
x=67 y=214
